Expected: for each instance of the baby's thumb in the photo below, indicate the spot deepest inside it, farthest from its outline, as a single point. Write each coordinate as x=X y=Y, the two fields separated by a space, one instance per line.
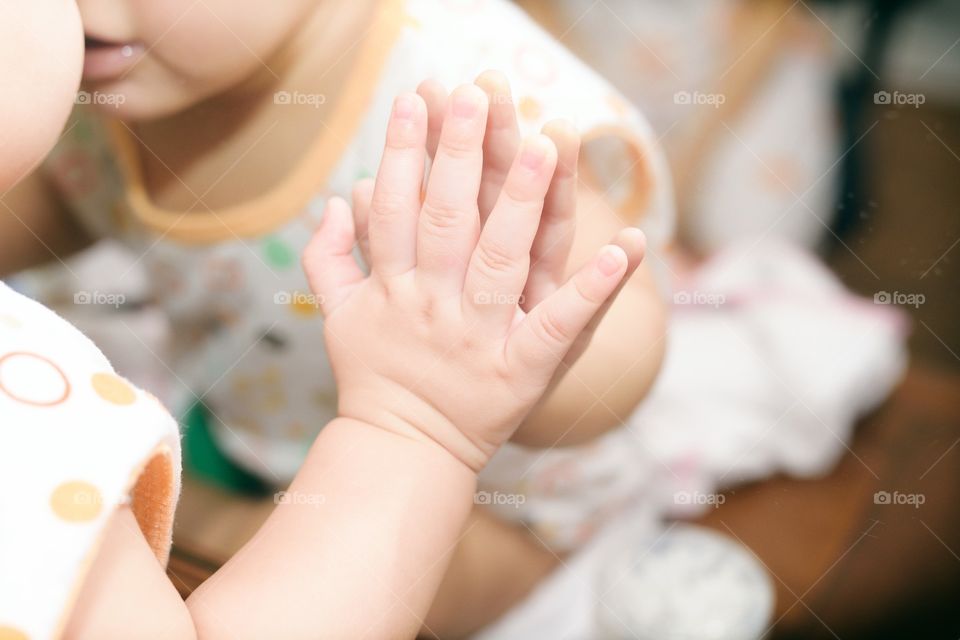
x=328 y=259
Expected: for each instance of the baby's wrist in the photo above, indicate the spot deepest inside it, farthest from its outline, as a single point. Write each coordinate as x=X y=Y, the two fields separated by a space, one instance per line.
x=414 y=421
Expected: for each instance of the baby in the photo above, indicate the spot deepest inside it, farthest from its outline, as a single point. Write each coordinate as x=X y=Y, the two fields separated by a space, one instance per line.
x=433 y=379
x=212 y=136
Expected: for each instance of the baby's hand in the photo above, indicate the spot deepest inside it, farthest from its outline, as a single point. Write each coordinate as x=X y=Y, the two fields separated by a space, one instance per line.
x=434 y=344
x=550 y=253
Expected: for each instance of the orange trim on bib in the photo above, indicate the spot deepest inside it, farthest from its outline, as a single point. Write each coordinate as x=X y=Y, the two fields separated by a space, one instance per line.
x=285 y=201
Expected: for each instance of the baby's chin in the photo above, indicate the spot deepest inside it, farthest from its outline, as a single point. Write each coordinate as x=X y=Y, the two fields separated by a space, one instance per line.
x=149 y=91
x=133 y=99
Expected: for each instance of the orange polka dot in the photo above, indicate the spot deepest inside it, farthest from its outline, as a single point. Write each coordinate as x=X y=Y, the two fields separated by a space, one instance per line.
x=76 y=501
x=529 y=108
x=113 y=389
x=305 y=305
x=9 y=633
x=33 y=379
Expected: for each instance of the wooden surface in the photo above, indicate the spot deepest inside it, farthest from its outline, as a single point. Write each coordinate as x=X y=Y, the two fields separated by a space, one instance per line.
x=845 y=566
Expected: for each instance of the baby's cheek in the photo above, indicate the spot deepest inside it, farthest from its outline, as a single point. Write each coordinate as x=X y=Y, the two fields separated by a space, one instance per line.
x=41 y=56
x=219 y=41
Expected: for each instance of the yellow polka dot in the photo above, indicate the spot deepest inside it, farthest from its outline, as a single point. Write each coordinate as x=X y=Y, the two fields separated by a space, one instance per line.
x=76 y=501
x=529 y=108
x=113 y=389
x=9 y=322
x=9 y=633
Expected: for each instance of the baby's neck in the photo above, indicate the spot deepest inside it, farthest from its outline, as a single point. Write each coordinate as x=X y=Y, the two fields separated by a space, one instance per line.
x=240 y=143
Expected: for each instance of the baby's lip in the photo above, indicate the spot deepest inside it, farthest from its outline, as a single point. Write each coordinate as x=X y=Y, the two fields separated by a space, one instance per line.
x=92 y=41
x=107 y=60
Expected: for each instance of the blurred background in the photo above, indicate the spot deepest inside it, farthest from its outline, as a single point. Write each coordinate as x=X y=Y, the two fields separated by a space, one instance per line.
x=853 y=109
x=831 y=129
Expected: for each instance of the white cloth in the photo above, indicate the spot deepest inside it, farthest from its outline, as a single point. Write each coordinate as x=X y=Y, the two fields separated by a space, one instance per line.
x=76 y=441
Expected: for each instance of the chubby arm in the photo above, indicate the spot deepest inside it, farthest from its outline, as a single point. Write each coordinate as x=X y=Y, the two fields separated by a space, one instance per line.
x=357 y=550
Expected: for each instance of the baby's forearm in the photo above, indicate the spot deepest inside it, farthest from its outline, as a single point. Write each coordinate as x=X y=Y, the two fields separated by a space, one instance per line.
x=357 y=547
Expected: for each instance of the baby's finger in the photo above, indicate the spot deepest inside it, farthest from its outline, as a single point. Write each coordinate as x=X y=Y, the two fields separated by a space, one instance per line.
x=435 y=96
x=328 y=259
x=396 y=194
x=502 y=139
x=499 y=265
x=362 y=197
x=540 y=341
x=551 y=249
x=449 y=220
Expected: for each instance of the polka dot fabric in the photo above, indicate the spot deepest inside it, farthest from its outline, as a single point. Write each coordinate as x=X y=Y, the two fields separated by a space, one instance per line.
x=74 y=439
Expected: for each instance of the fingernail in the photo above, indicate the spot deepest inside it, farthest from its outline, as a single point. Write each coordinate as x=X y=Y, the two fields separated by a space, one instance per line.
x=532 y=156
x=465 y=106
x=609 y=262
x=403 y=107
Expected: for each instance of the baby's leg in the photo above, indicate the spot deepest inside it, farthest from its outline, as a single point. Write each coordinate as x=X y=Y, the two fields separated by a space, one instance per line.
x=493 y=567
x=127 y=594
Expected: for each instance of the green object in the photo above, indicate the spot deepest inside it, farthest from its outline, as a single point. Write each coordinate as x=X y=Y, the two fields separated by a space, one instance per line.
x=279 y=254
x=203 y=458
